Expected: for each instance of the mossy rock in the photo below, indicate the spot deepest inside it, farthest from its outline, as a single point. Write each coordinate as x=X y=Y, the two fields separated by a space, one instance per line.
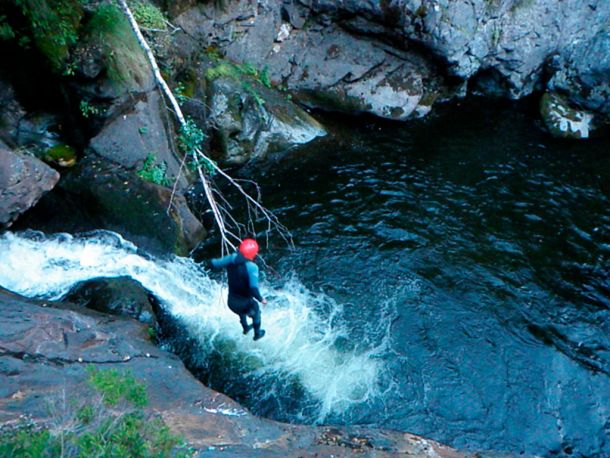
x=62 y=155
x=564 y=121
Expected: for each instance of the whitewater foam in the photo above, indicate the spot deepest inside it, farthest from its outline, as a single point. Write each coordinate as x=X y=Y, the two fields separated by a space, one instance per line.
x=302 y=326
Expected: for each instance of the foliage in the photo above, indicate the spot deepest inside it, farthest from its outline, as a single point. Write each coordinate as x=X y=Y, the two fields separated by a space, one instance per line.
x=154 y=172
x=125 y=60
x=180 y=93
x=255 y=95
x=26 y=442
x=148 y=16
x=6 y=31
x=87 y=109
x=236 y=71
x=52 y=25
x=115 y=386
x=130 y=435
x=190 y=139
x=95 y=430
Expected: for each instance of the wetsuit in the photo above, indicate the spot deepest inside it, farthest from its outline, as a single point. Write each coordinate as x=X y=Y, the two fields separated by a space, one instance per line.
x=243 y=289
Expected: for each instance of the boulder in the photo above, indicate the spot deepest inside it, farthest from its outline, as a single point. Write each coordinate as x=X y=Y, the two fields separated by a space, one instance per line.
x=145 y=213
x=395 y=59
x=11 y=112
x=23 y=180
x=251 y=120
x=46 y=349
x=564 y=121
x=583 y=72
x=322 y=66
x=134 y=133
x=121 y=296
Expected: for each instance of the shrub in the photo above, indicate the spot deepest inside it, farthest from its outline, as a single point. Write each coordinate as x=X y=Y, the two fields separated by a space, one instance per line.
x=154 y=172
x=99 y=426
x=148 y=16
x=52 y=25
x=115 y=386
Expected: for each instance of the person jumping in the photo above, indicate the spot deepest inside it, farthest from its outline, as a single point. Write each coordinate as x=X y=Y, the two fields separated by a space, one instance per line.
x=243 y=285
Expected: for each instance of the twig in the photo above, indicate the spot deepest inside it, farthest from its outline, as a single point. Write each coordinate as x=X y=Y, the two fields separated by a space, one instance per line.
x=251 y=202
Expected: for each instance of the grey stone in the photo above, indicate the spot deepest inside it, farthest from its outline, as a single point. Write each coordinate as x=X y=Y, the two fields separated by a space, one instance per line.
x=293 y=14
x=324 y=67
x=23 y=181
x=583 y=72
x=251 y=120
x=11 y=112
x=136 y=132
x=117 y=296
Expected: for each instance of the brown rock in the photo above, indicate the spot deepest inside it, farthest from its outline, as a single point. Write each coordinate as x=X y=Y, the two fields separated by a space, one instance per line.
x=44 y=350
x=23 y=180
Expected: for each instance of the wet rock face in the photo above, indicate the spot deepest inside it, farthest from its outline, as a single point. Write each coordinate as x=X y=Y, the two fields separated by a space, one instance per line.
x=583 y=72
x=23 y=181
x=11 y=112
x=323 y=65
x=394 y=59
x=515 y=37
x=117 y=199
x=117 y=296
x=251 y=120
x=46 y=348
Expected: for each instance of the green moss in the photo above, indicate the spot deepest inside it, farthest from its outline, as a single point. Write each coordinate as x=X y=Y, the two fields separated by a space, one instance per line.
x=51 y=25
x=148 y=16
x=224 y=69
x=237 y=71
x=63 y=155
x=125 y=60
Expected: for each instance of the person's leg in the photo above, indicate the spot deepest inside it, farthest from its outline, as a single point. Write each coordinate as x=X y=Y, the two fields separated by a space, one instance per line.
x=255 y=313
x=240 y=307
x=243 y=319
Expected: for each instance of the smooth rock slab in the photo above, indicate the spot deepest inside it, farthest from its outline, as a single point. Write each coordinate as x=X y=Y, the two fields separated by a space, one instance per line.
x=47 y=349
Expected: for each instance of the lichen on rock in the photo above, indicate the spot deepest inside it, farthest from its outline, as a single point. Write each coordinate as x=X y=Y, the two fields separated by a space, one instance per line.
x=564 y=121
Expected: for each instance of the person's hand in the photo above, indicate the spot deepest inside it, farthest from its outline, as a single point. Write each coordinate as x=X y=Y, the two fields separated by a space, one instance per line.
x=264 y=301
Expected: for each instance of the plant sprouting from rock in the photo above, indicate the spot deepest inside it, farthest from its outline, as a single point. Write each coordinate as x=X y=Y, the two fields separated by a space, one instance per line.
x=154 y=172
x=87 y=110
x=190 y=140
x=103 y=418
x=231 y=231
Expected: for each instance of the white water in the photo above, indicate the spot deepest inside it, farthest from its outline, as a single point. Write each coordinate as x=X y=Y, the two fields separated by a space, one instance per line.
x=300 y=342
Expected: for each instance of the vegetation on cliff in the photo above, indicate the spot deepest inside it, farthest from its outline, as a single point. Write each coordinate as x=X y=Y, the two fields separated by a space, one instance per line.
x=107 y=419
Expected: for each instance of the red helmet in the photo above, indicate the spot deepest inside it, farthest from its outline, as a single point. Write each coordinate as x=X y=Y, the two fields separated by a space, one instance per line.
x=248 y=248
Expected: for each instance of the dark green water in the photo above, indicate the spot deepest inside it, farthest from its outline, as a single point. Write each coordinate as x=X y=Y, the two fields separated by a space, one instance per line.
x=489 y=244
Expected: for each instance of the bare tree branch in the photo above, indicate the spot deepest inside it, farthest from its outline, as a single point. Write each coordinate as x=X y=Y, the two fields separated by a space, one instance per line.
x=220 y=212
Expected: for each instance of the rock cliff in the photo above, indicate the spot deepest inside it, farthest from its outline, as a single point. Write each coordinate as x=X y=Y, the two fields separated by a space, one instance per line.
x=46 y=348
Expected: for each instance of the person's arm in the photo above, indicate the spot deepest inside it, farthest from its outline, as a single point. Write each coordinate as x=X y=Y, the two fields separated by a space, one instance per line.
x=219 y=263
x=253 y=277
